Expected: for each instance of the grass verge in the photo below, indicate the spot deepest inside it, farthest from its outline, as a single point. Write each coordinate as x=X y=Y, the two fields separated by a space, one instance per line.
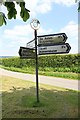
x=49 y=72
x=19 y=100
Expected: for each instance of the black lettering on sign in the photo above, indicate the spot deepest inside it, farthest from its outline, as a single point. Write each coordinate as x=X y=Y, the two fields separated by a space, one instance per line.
x=48 y=37
x=41 y=38
x=49 y=51
x=43 y=48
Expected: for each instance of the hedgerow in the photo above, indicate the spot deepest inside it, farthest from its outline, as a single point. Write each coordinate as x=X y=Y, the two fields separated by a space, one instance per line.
x=60 y=63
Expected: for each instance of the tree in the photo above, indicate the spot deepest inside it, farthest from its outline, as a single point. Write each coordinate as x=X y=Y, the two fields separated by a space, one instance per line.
x=12 y=12
x=78 y=4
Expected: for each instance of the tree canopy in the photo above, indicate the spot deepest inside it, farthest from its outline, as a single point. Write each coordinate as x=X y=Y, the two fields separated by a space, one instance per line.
x=78 y=4
x=12 y=12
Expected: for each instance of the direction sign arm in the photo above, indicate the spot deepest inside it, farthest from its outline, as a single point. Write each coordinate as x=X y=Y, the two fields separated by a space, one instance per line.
x=68 y=47
x=65 y=37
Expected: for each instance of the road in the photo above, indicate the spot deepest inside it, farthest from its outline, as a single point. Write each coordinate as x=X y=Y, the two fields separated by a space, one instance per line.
x=59 y=82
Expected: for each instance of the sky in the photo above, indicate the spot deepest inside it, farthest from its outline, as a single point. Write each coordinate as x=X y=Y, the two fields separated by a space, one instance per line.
x=55 y=16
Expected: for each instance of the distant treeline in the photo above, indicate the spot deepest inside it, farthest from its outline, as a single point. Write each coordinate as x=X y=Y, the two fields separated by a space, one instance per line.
x=60 y=63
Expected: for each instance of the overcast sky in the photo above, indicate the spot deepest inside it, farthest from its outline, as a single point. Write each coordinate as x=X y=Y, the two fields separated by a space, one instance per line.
x=55 y=16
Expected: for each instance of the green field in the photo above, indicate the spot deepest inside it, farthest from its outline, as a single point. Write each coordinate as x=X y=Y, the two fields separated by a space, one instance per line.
x=19 y=100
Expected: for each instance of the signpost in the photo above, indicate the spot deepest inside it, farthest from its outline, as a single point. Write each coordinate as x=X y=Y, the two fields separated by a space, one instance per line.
x=54 y=49
x=35 y=24
x=31 y=44
x=47 y=44
x=26 y=52
x=52 y=39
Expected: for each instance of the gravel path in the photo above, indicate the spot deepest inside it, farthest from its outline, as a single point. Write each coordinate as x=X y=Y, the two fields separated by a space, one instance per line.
x=59 y=82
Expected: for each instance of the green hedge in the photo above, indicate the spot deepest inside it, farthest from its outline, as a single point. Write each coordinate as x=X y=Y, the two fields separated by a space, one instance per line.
x=66 y=63
x=59 y=60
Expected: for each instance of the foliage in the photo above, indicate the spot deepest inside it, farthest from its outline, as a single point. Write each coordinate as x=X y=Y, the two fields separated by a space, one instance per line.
x=55 y=63
x=61 y=63
x=78 y=4
x=12 y=12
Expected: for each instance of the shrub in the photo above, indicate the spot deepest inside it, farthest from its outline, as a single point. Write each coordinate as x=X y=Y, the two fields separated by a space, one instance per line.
x=60 y=63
